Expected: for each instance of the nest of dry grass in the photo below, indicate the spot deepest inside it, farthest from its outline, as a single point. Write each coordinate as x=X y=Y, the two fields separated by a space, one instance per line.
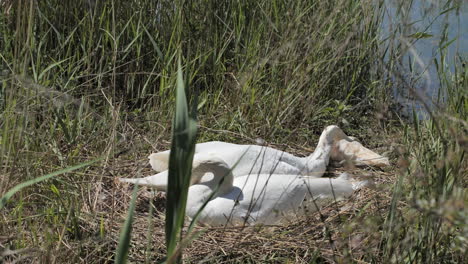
x=343 y=231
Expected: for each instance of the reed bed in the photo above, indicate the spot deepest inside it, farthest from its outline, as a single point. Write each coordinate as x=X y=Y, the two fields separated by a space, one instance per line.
x=96 y=81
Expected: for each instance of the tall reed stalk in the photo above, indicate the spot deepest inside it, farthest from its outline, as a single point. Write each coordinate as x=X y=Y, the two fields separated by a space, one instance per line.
x=184 y=131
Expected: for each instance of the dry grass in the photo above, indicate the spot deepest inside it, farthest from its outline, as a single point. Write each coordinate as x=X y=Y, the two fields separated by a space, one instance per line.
x=346 y=231
x=341 y=232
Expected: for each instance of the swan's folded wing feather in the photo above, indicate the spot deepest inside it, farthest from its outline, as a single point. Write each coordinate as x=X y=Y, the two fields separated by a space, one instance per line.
x=160 y=161
x=270 y=198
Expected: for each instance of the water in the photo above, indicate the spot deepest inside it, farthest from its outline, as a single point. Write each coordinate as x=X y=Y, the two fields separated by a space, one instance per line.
x=423 y=32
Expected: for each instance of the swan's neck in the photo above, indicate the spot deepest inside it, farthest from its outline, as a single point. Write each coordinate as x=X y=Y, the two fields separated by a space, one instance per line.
x=322 y=152
x=317 y=162
x=211 y=181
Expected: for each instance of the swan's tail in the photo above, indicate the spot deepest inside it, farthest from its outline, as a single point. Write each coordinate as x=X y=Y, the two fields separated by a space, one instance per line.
x=328 y=188
x=158 y=181
x=355 y=185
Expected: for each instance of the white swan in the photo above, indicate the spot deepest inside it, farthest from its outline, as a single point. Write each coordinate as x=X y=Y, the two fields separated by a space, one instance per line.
x=254 y=199
x=252 y=159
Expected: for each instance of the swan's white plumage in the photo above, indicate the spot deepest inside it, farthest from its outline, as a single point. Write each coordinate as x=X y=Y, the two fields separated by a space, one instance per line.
x=256 y=199
x=272 y=200
x=254 y=159
x=264 y=185
x=244 y=159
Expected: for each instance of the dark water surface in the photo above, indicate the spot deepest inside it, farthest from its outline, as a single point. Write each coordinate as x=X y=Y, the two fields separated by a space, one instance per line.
x=425 y=34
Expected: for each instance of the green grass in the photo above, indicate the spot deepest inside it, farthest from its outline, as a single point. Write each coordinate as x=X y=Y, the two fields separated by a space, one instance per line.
x=431 y=227
x=80 y=81
x=180 y=170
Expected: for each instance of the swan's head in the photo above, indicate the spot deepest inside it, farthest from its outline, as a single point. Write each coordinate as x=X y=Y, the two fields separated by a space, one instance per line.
x=348 y=148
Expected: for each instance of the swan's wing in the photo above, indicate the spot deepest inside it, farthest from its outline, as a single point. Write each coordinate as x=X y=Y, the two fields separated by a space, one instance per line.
x=267 y=198
x=262 y=160
x=283 y=196
x=215 y=146
x=280 y=201
x=253 y=200
x=218 y=212
x=352 y=150
x=272 y=166
x=160 y=161
x=243 y=159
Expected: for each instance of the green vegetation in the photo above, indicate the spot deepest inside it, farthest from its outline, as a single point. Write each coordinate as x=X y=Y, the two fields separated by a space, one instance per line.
x=81 y=80
x=184 y=133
